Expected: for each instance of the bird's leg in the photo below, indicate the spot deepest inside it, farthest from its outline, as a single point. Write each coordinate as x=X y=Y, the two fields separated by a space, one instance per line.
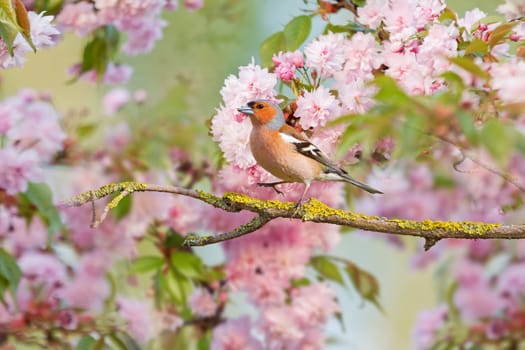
x=272 y=185
x=300 y=202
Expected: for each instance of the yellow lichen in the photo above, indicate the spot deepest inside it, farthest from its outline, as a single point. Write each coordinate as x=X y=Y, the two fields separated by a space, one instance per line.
x=106 y=190
x=209 y=198
x=468 y=227
x=314 y=209
x=258 y=204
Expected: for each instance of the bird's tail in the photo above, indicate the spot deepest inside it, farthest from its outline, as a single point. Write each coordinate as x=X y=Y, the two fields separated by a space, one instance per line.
x=337 y=174
x=359 y=184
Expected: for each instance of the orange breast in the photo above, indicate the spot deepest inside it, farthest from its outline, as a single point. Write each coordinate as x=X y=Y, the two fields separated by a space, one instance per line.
x=280 y=159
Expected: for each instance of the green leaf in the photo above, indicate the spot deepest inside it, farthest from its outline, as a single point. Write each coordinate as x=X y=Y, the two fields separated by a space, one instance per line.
x=187 y=264
x=173 y=239
x=390 y=93
x=40 y=196
x=123 y=208
x=447 y=15
x=364 y=283
x=454 y=80
x=8 y=25
x=301 y=282
x=498 y=35
x=50 y=7
x=87 y=342
x=351 y=136
x=469 y=65
x=9 y=274
x=275 y=43
x=178 y=286
x=123 y=341
x=466 y=124
x=204 y=342
x=146 y=264
x=334 y=28
x=7 y=13
x=85 y=130
x=412 y=136
x=100 y=50
x=453 y=311
x=297 y=31
x=477 y=47
x=154 y=153
x=498 y=139
x=327 y=269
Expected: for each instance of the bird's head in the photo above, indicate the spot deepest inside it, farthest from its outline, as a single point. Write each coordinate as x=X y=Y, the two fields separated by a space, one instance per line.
x=264 y=112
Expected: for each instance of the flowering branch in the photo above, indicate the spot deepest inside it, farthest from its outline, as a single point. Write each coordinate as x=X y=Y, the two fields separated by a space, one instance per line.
x=313 y=210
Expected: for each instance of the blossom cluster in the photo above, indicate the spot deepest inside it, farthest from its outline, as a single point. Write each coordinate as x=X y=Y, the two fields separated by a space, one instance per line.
x=43 y=34
x=65 y=269
x=139 y=20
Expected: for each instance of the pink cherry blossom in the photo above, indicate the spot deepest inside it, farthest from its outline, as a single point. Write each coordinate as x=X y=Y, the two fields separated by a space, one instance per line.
x=115 y=100
x=325 y=54
x=202 y=303
x=43 y=274
x=115 y=10
x=142 y=34
x=317 y=107
x=356 y=96
x=17 y=59
x=114 y=74
x=138 y=317
x=280 y=327
x=26 y=236
x=472 y=18
x=118 y=137
x=427 y=326
x=314 y=304
x=193 y=5
x=511 y=284
x=372 y=13
x=362 y=56
x=234 y=334
x=477 y=302
x=86 y=291
x=79 y=17
x=47 y=139
x=18 y=168
x=504 y=80
x=252 y=83
x=286 y=63
x=140 y=96
x=233 y=137
x=512 y=9
x=43 y=33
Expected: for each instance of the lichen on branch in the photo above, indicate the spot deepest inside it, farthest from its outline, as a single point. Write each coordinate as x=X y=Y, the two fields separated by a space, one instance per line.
x=312 y=210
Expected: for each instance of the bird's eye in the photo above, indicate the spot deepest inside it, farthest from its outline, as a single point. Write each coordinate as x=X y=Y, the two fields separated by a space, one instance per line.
x=259 y=106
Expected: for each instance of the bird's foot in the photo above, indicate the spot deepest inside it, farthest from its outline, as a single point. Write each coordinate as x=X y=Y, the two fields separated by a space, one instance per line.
x=298 y=207
x=272 y=185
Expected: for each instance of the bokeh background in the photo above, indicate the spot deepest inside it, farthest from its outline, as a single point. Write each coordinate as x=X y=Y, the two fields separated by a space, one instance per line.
x=183 y=76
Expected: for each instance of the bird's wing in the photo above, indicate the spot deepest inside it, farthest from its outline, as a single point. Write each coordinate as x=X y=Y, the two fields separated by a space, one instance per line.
x=308 y=149
x=305 y=147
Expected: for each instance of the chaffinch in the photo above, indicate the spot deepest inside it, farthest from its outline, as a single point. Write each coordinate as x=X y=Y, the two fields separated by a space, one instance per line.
x=288 y=154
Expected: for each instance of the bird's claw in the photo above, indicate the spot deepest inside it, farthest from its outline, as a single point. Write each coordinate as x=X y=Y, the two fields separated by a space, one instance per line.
x=298 y=207
x=272 y=185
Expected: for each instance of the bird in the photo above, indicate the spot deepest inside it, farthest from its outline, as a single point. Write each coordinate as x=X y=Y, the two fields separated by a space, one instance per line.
x=287 y=154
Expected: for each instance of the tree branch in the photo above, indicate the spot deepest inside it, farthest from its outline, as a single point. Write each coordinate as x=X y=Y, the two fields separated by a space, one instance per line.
x=313 y=210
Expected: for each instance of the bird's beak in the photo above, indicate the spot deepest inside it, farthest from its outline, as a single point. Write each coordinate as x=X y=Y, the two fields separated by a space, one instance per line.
x=246 y=110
